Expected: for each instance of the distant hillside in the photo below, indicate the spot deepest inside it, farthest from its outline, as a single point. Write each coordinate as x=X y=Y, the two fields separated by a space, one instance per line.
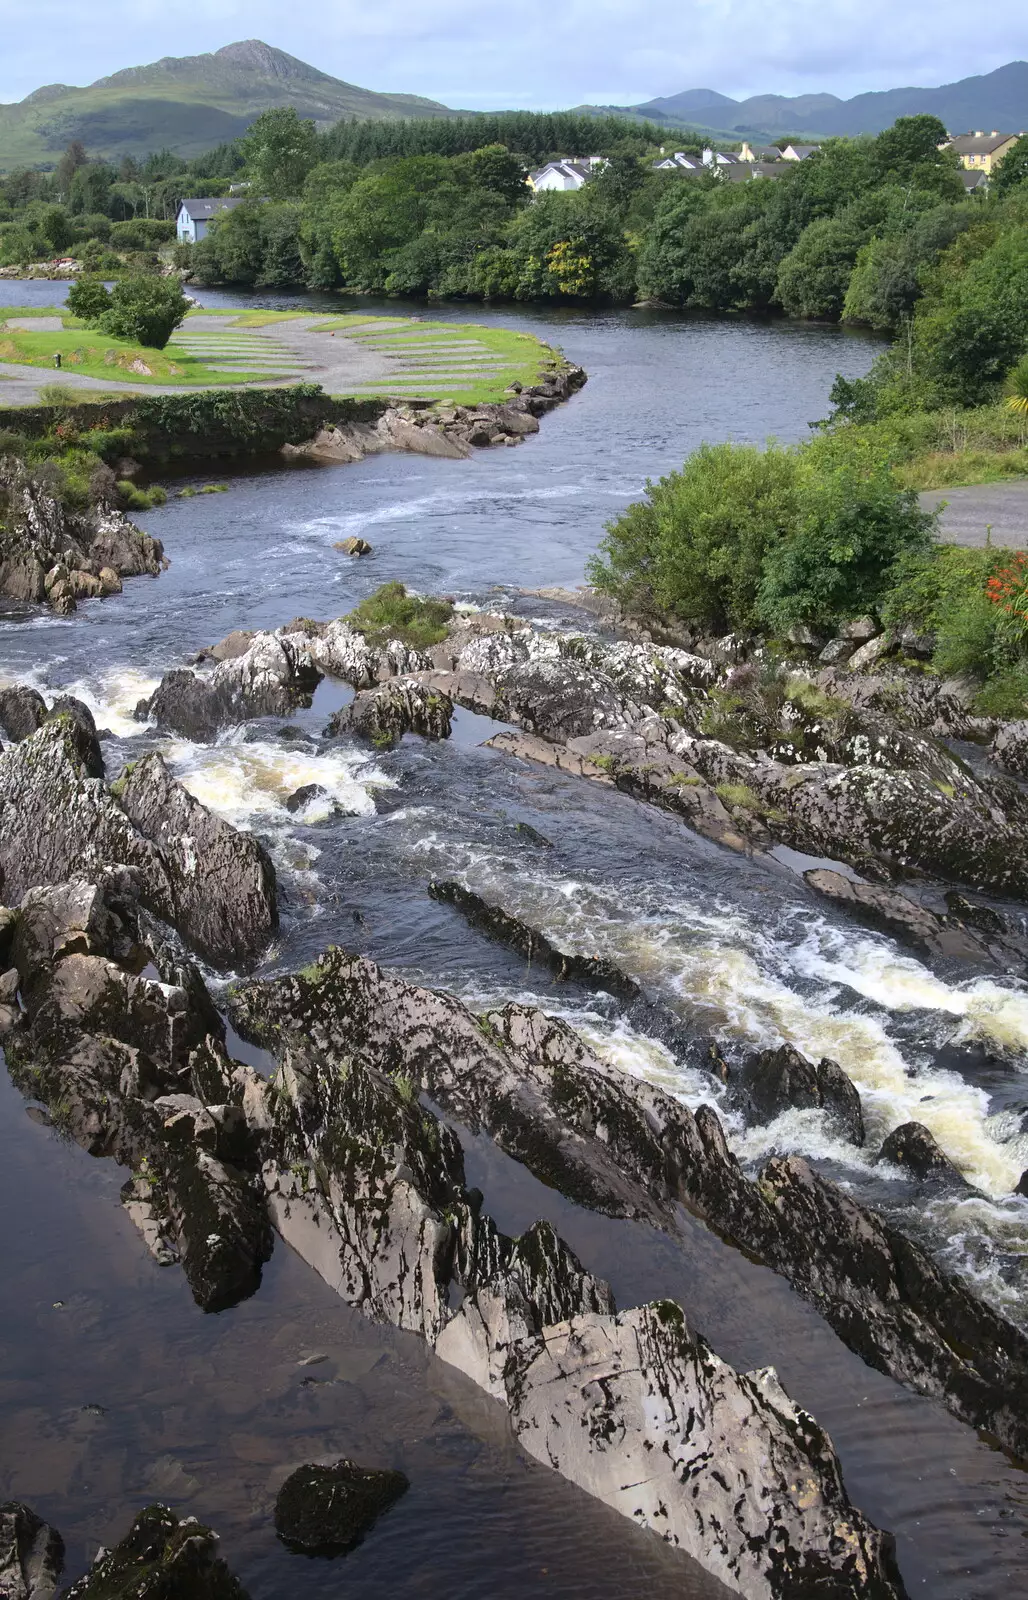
x=994 y=100
x=186 y=104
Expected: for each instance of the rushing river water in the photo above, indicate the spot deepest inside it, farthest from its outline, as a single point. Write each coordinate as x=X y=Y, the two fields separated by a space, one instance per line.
x=114 y=1389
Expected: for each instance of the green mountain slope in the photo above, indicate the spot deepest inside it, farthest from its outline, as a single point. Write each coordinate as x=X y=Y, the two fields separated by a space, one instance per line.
x=186 y=104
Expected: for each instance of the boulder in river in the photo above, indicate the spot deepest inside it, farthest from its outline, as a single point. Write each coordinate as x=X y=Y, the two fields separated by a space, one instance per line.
x=31 y=1554
x=22 y=711
x=325 y=1510
x=162 y=1557
x=917 y=1152
x=272 y=677
x=898 y=914
x=385 y=713
x=774 y=1081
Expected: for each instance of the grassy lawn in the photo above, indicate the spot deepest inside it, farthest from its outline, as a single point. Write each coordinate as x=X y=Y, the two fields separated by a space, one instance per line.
x=94 y=355
x=954 y=469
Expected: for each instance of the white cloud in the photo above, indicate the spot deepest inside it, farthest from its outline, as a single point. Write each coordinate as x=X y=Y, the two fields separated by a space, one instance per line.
x=536 y=54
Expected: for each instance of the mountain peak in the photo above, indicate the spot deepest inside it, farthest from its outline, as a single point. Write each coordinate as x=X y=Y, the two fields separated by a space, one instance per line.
x=254 y=56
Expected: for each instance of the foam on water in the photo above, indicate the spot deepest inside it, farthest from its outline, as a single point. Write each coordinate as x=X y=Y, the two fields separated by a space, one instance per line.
x=756 y=983
x=248 y=782
x=111 y=695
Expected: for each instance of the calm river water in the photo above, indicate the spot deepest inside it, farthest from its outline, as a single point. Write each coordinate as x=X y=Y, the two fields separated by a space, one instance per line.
x=115 y=1390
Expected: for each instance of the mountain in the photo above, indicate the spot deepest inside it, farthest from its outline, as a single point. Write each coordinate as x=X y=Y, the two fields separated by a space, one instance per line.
x=186 y=104
x=994 y=100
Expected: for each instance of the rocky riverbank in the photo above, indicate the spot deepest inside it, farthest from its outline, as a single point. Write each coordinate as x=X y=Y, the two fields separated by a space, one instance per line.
x=348 y=1150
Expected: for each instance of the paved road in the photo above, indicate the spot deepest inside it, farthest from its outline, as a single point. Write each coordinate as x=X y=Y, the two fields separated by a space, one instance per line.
x=969 y=513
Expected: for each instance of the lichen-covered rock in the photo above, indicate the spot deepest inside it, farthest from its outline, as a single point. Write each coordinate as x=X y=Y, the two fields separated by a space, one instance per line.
x=640 y=1412
x=773 y=1081
x=272 y=677
x=48 y=552
x=162 y=1557
x=1010 y=748
x=31 y=1554
x=385 y=713
x=325 y=1510
x=223 y=883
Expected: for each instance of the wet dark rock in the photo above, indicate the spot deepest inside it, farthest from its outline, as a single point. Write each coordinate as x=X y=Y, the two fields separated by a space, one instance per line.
x=984 y=918
x=272 y=677
x=222 y=882
x=914 y=1149
x=385 y=713
x=22 y=711
x=220 y=1220
x=325 y=1510
x=302 y=797
x=774 y=1081
x=162 y=1557
x=594 y=972
x=1022 y=1184
x=353 y=547
x=896 y=913
x=31 y=1554
x=524 y=830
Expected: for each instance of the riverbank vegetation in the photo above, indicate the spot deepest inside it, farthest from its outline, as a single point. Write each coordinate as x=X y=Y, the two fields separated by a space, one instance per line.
x=794 y=544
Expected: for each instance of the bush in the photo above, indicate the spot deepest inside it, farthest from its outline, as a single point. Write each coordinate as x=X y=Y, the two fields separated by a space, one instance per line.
x=88 y=298
x=838 y=560
x=695 y=547
x=392 y=613
x=145 y=311
x=142 y=233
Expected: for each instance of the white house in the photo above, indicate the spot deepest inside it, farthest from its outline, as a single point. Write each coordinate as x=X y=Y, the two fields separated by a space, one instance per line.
x=799 y=152
x=679 y=162
x=569 y=174
x=194 y=217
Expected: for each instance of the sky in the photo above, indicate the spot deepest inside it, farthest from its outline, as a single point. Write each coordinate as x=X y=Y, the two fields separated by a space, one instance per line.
x=537 y=53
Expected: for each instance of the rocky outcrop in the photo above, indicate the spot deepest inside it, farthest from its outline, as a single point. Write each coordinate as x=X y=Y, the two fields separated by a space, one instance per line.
x=368 y=1186
x=134 y=1066
x=162 y=1555
x=214 y=884
x=451 y=432
x=51 y=555
x=384 y=714
x=773 y=1081
x=1010 y=748
x=896 y=913
x=636 y=1406
x=31 y=1554
x=23 y=711
x=325 y=1510
x=625 y=1147
x=222 y=881
x=271 y=677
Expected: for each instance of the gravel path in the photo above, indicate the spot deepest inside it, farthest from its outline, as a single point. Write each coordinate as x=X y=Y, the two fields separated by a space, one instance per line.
x=969 y=513
x=291 y=351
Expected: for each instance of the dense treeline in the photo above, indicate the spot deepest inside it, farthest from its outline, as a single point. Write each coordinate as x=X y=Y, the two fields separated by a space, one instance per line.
x=535 y=136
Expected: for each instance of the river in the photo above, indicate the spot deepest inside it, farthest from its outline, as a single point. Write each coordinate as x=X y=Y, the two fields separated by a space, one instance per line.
x=114 y=1389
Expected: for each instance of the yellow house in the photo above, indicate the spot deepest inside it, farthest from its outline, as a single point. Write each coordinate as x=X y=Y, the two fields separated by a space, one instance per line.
x=980 y=152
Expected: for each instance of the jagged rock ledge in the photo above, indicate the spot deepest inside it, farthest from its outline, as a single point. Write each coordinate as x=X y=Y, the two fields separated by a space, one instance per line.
x=369 y=1187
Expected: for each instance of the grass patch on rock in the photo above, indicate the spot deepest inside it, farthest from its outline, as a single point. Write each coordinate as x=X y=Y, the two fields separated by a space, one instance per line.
x=392 y=613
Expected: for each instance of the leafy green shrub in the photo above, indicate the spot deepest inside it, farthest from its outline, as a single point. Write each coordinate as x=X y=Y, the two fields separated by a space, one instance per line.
x=88 y=298
x=137 y=499
x=144 y=310
x=141 y=233
x=392 y=613
x=837 y=560
x=695 y=547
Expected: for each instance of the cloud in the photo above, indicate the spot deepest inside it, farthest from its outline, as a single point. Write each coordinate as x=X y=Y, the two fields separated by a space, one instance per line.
x=537 y=54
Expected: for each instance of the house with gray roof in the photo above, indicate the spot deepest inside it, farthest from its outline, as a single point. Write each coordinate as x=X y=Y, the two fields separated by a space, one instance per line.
x=194 y=217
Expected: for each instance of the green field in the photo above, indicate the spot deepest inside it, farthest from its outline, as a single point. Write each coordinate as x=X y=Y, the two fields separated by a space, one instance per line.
x=90 y=354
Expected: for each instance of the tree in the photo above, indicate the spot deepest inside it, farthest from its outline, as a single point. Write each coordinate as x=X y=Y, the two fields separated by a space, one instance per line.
x=89 y=299
x=55 y=228
x=73 y=158
x=279 y=149
x=1012 y=171
x=145 y=310
x=495 y=169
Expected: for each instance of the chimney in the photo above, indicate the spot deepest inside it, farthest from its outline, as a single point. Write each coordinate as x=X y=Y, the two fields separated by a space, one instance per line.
x=979 y=134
